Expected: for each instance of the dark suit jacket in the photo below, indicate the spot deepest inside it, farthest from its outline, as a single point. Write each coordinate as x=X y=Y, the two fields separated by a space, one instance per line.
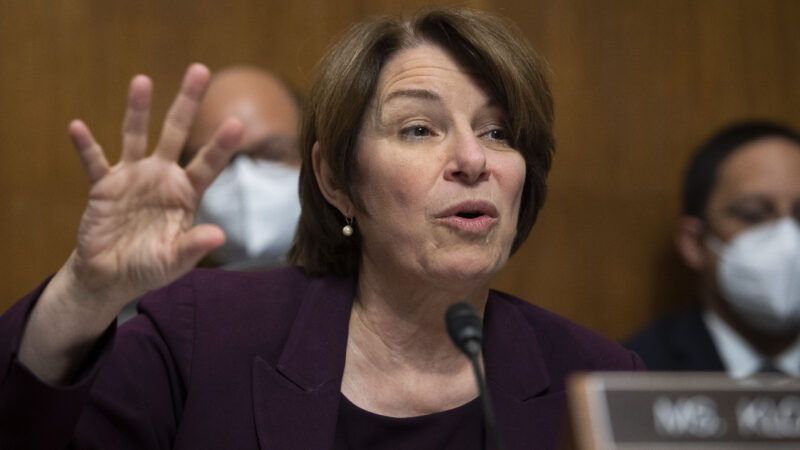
x=224 y=360
x=677 y=343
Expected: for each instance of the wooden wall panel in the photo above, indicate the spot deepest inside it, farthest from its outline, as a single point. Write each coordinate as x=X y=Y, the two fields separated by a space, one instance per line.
x=637 y=85
x=67 y=59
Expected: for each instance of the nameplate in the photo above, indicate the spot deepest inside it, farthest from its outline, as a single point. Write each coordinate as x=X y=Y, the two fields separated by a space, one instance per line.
x=622 y=411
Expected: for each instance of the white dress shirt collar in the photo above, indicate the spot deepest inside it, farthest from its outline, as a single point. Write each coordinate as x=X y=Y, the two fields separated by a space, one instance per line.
x=739 y=357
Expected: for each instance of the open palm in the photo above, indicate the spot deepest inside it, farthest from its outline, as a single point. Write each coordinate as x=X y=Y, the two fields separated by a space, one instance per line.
x=137 y=231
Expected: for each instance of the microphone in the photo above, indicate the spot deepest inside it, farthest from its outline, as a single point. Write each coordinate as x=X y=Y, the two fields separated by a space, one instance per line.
x=466 y=330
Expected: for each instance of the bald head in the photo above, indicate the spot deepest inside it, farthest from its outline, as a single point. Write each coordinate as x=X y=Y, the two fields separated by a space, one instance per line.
x=269 y=113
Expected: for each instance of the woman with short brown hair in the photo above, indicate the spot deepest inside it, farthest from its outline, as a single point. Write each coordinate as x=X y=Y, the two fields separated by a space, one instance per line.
x=425 y=151
x=496 y=55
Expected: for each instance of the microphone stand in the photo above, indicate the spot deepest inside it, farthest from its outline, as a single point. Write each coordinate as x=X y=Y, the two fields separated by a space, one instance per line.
x=466 y=330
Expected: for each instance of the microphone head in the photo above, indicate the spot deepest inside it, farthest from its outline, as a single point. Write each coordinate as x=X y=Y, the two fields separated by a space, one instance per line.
x=465 y=328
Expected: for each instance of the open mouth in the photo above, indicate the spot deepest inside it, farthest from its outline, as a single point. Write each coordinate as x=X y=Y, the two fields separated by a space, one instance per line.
x=469 y=214
x=474 y=209
x=473 y=217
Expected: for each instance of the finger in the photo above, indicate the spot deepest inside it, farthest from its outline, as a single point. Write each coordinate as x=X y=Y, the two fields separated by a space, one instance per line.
x=198 y=240
x=91 y=154
x=181 y=113
x=214 y=156
x=134 y=126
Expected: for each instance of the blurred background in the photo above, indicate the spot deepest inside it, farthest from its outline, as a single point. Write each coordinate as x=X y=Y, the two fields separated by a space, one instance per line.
x=637 y=85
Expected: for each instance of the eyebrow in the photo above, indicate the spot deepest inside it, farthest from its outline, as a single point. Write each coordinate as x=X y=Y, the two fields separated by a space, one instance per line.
x=277 y=146
x=422 y=94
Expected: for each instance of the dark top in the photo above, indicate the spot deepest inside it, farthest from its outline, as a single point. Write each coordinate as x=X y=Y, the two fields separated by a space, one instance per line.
x=459 y=428
x=254 y=360
x=679 y=342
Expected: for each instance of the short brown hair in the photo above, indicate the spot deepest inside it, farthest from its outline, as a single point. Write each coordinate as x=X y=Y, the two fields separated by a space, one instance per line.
x=490 y=47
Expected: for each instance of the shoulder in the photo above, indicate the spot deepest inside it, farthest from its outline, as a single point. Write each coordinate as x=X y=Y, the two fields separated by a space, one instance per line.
x=229 y=293
x=665 y=329
x=221 y=310
x=569 y=347
x=676 y=342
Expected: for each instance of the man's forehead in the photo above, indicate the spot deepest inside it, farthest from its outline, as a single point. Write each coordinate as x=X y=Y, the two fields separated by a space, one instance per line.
x=764 y=167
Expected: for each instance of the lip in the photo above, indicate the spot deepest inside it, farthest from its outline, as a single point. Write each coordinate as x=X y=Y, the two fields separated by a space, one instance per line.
x=485 y=217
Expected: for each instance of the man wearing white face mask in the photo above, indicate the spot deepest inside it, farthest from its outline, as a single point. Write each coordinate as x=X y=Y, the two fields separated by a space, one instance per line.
x=739 y=232
x=255 y=199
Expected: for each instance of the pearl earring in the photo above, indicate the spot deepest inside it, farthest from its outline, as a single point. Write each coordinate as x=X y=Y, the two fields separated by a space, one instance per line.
x=347 y=230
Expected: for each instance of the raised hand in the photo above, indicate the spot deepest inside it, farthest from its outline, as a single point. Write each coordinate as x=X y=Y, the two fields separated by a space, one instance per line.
x=136 y=233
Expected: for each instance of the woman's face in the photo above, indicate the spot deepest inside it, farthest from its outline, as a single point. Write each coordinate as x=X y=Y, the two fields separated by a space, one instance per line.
x=440 y=184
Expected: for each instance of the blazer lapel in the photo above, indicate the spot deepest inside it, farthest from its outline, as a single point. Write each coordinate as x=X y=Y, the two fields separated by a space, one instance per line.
x=691 y=344
x=517 y=378
x=296 y=402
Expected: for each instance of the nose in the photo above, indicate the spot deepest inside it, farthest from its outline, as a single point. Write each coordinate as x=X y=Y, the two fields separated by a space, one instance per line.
x=467 y=160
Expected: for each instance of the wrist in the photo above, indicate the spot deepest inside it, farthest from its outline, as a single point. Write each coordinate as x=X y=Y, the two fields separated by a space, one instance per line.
x=63 y=326
x=70 y=297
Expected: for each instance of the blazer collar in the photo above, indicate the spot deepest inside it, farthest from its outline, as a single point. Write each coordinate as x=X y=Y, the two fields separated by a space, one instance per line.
x=513 y=357
x=314 y=353
x=296 y=403
x=315 y=350
x=690 y=341
x=518 y=379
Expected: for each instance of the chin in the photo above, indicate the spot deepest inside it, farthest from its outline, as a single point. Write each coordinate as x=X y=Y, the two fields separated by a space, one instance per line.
x=466 y=270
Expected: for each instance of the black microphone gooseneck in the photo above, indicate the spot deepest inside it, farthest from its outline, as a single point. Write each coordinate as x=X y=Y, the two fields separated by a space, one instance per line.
x=466 y=330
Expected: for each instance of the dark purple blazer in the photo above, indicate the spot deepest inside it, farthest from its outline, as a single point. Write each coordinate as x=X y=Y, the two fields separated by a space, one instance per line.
x=226 y=360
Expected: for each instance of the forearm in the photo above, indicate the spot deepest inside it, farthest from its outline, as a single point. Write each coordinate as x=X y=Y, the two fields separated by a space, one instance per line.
x=63 y=327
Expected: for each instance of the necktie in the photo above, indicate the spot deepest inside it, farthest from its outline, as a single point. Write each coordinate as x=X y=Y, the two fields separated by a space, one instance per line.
x=768 y=367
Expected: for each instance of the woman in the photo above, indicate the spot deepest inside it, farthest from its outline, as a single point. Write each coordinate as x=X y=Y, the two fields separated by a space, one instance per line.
x=425 y=153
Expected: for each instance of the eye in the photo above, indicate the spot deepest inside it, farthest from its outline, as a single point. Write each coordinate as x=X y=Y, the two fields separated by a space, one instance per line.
x=752 y=214
x=752 y=217
x=416 y=132
x=498 y=134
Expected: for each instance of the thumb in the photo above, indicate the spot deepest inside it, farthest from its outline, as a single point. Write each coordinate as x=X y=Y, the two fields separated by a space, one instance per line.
x=199 y=240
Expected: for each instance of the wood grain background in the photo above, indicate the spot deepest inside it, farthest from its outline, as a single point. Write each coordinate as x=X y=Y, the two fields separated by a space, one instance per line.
x=637 y=85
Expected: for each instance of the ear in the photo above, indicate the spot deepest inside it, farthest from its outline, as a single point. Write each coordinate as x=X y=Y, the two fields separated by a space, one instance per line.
x=328 y=185
x=690 y=242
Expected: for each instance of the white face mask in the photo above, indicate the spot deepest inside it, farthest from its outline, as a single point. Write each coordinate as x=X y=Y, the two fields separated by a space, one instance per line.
x=759 y=275
x=257 y=205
